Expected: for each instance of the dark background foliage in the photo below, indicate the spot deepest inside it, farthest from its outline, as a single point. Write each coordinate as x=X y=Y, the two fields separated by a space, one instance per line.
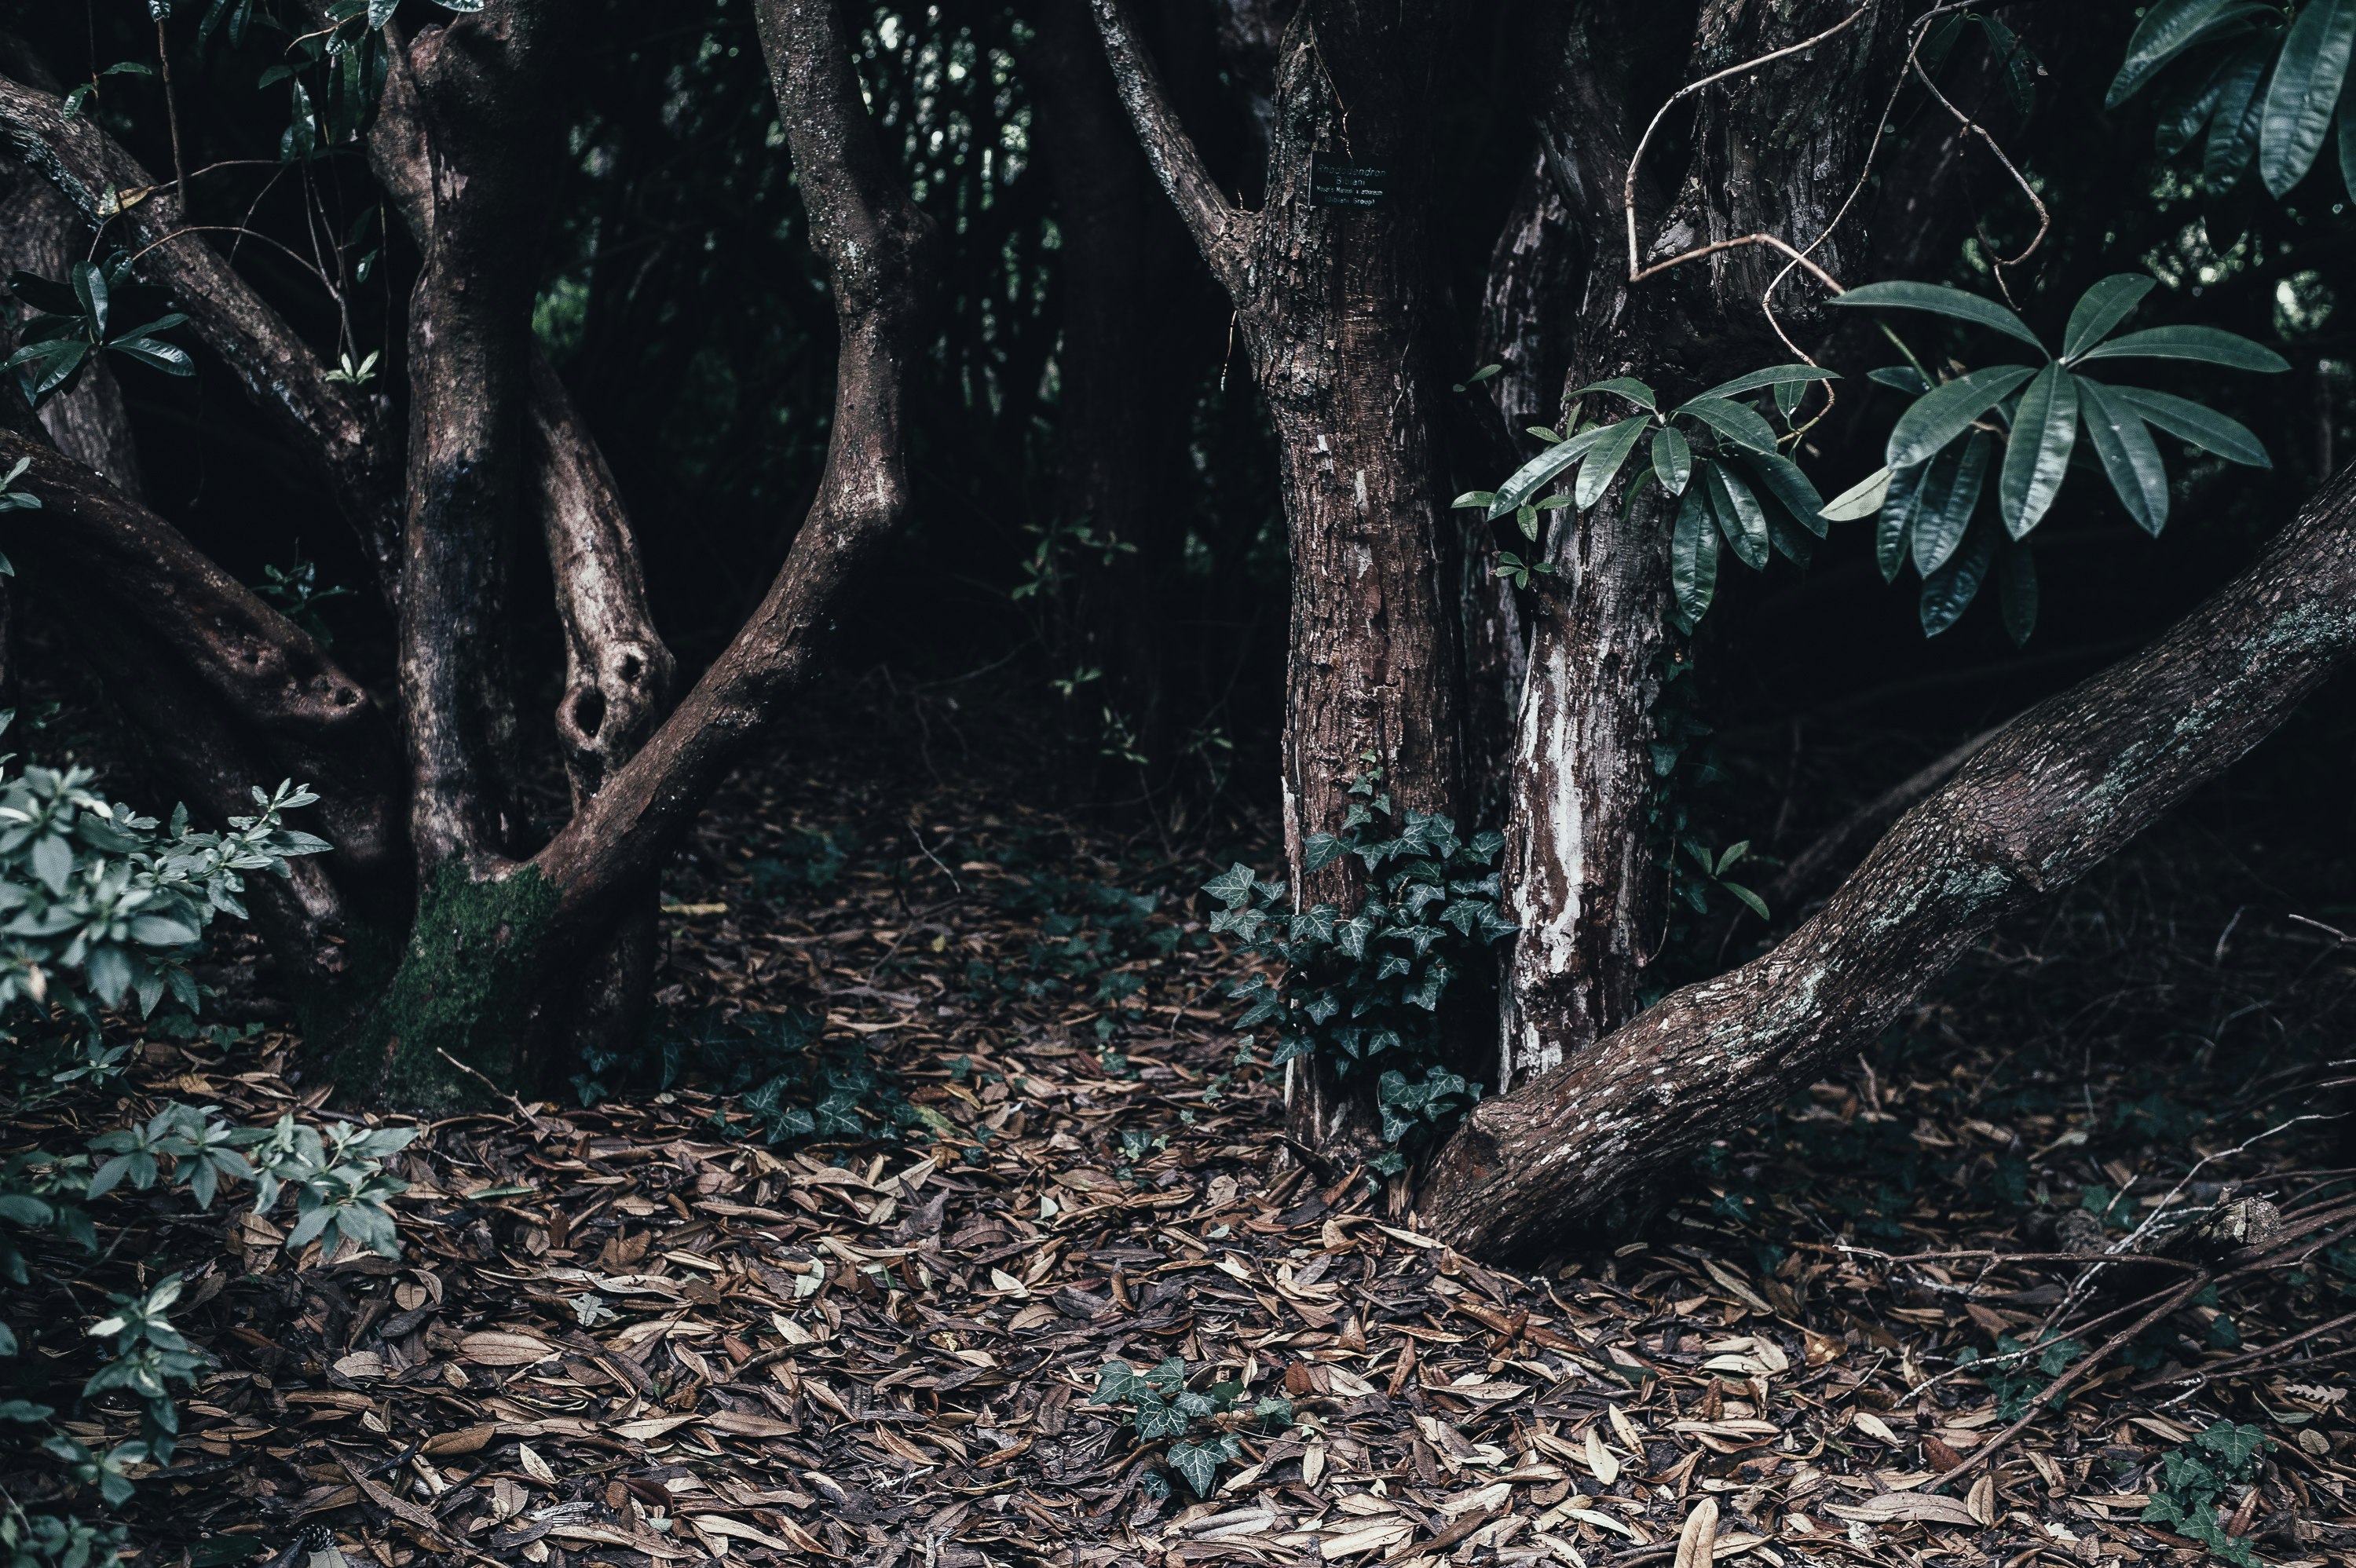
x=681 y=304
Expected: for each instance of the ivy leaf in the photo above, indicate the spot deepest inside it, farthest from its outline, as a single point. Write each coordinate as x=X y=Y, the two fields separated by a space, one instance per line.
x=1232 y=886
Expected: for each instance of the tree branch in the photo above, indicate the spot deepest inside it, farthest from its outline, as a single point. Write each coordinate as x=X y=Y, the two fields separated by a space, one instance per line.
x=875 y=245
x=301 y=715
x=1222 y=232
x=477 y=90
x=330 y=424
x=2064 y=787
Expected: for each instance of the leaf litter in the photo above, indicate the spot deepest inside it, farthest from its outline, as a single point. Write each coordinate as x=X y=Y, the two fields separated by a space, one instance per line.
x=628 y=1334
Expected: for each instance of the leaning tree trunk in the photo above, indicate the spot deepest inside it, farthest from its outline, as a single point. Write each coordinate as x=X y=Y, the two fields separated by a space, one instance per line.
x=1331 y=302
x=2061 y=788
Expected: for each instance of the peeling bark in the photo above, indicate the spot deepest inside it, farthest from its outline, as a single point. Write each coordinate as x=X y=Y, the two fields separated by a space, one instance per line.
x=2062 y=787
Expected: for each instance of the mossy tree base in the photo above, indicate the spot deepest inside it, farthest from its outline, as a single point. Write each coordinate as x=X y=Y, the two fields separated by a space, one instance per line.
x=460 y=1017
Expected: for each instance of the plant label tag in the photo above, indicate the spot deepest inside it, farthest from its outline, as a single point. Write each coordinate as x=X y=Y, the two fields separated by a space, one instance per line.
x=1333 y=182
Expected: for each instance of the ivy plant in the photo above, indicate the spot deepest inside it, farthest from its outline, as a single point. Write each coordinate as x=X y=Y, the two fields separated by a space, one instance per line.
x=2193 y=1479
x=2007 y=432
x=1715 y=452
x=2249 y=81
x=1362 y=989
x=1159 y=1406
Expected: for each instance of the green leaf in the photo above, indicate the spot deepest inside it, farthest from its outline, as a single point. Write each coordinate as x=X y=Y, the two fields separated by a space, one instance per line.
x=2182 y=118
x=1736 y=423
x=1602 y=465
x=1740 y=516
x=2037 y=458
x=1472 y=498
x=168 y=357
x=1773 y=376
x=1950 y=495
x=1949 y=591
x=1893 y=529
x=1627 y=387
x=1672 y=459
x=1941 y=300
x=2203 y=427
x=2166 y=29
x=2128 y=456
x=2233 y=126
x=2202 y=345
x=1693 y=556
x=1198 y=1463
x=2348 y=152
x=1861 y=499
x=1749 y=899
x=2306 y=89
x=1782 y=478
x=1944 y=412
x=2017 y=593
x=2101 y=308
x=1538 y=472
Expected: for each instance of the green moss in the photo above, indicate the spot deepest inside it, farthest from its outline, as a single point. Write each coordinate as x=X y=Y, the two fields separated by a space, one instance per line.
x=466 y=988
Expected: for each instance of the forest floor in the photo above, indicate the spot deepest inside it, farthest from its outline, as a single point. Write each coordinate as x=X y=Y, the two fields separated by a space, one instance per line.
x=636 y=1332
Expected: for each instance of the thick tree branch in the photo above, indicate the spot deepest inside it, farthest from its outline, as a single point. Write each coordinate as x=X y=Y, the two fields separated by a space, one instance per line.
x=301 y=714
x=2065 y=785
x=874 y=244
x=331 y=425
x=1221 y=231
x=617 y=671
x=477 y=85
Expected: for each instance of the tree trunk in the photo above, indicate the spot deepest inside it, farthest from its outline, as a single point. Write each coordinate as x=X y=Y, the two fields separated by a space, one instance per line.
x=2061 y=788
x=1583 y=877
x=1331 y=302
x=472 y=1001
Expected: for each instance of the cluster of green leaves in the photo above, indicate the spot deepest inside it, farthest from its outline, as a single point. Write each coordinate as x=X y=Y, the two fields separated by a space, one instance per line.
x=76 y=320
x=1091 y=937
x=779 y=1066
x=2192 y=1480
x=335 y=76
x=1363 y=990
x=97 y=892
x=1161 y=1406
x=14 y=500
x=2262 y=80
x=101 y=907
x=2018 y=1372
x=1715 y=451
x=297 y=591
x=2023 y=422
x=806 y=861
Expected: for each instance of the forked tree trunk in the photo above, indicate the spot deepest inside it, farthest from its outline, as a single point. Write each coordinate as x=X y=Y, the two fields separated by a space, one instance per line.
x=1331 y=302
x=2061 y=788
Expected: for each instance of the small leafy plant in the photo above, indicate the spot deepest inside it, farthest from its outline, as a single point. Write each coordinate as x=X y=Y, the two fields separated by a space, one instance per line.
x=1161 y=1406
x=75 y=321
x=297 y=592
x=779 y=1066
x=2192 y=1480
x=2009 y=432
x=1715 y=451
x=1364 y=989
x=2019 y=1371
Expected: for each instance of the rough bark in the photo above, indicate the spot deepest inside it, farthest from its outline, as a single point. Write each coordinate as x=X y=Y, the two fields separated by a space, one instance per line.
x=1331 y=303
x=1776 y=151
x=332 y=427
x=468 y=989
x=489 y=143
x=2061 y=788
